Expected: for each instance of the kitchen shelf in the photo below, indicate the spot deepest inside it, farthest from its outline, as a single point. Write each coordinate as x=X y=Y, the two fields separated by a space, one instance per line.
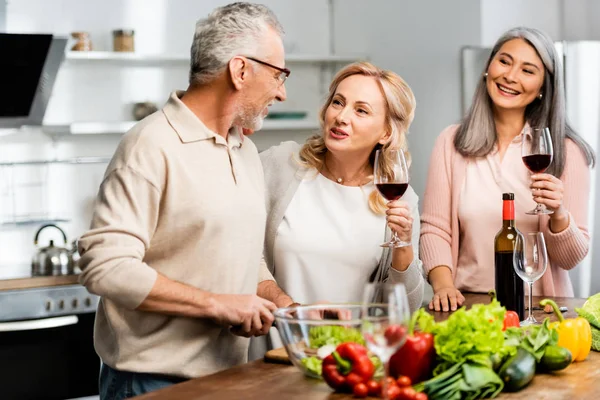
x=74 y=160
x=123 y=58
x=94 y=128
x=25 y=220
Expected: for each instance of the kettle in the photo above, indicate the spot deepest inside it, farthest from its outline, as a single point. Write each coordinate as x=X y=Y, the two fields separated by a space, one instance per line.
x=52 y=260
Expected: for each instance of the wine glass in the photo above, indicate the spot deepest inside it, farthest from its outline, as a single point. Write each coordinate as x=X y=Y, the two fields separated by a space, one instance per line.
x=385 y=317
x=530 y=260
x=536 y=152
x=390 y=174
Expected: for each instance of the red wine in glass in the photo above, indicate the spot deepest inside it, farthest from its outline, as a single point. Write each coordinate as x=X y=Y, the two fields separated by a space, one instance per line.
x=390 y=175
x=536 y=152
x=392 y=191
x=537 y=163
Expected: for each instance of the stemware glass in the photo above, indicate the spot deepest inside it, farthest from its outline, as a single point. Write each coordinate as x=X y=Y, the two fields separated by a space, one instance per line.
x=390 y=174
x=384 y=321
x=536 y=152
x=530 y=260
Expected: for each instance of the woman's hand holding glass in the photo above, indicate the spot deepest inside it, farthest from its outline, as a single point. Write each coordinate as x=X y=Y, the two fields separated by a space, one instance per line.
x=399 y=219
x=537 y=153
x=390 y=174
x=548 y=190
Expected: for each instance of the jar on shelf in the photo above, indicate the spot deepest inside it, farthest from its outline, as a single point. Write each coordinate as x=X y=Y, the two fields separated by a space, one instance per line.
x=123 y=40
x=83 y=43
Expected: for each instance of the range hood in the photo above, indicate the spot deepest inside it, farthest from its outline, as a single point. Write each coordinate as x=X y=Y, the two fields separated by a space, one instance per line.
x=28 y=67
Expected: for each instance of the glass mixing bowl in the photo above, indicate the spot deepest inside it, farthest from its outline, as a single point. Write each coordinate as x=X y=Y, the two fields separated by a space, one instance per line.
x=310 y=333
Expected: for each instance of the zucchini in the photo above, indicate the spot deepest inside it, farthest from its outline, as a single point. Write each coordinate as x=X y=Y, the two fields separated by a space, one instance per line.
x=518 y=371
x=555 y=358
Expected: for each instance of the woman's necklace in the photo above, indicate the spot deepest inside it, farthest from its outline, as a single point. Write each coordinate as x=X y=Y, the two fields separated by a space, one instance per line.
x=341 y=180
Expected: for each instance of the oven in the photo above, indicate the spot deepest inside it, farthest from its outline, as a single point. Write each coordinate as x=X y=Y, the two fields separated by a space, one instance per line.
x=46 y=342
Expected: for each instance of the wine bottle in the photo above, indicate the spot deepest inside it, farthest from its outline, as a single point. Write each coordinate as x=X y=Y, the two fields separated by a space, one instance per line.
x=509 y=287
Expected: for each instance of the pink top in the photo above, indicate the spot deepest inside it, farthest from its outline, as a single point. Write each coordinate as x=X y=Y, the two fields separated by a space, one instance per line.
x=462 y=212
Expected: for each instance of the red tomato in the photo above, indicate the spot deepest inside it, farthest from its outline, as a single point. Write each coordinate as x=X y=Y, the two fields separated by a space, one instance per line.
x=407 y=393
x=394 y=334
x=374 y=388
x=360 y=390
x=390 y=381
x=393 y=392
x=353 y=379
x=421 y=396
x=403 y=381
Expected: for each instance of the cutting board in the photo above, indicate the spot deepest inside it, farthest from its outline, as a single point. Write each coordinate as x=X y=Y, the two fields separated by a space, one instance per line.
x=278 y=356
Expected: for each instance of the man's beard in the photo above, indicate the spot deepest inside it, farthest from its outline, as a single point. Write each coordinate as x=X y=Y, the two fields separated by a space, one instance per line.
x=251 y=119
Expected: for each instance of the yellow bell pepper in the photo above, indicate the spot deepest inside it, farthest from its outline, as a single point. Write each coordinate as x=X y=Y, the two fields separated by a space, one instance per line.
x=574 y=334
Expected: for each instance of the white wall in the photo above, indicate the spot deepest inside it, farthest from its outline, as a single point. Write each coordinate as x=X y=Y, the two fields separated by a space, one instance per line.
x=561 y=19
x=497 y=16
x=421 y=46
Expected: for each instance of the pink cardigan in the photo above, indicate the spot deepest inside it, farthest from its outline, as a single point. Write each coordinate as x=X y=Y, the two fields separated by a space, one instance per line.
x=440 y=226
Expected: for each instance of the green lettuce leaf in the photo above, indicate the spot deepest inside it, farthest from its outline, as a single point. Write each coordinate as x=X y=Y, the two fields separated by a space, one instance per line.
x=319 y=336
x=595 y=339
x=592 y=319
x=473 y=335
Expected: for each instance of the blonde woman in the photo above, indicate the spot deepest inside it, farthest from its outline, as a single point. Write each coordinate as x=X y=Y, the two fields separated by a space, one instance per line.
x=326 y=220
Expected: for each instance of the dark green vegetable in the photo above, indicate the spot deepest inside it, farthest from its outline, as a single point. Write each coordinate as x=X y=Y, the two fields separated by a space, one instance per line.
x=555 y=358
x=518 y=370
x=462 y=381
x=497 y=361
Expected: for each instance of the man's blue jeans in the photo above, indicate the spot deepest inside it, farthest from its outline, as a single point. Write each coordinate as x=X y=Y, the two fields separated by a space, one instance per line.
x=118 y=385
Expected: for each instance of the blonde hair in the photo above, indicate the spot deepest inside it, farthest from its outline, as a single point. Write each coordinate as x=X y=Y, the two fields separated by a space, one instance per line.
x=400 y=110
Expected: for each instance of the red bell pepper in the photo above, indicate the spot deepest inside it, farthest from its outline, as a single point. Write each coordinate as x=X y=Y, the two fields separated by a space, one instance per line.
x=511 y=319
x=347 y=366
x=415 y=358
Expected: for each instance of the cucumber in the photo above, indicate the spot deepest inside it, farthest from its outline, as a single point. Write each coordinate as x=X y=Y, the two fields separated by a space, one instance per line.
x=496 y=361
x=518 y=371
x=555 y=358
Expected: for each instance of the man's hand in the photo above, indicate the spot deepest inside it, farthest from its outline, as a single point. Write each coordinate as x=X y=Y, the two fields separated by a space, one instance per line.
x=247 y=315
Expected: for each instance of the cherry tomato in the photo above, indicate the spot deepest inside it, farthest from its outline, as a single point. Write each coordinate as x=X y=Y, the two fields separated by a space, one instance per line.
x=403 y=381
x=374 y=388
x=407 y=393
x=353 y=379
x=390 y=381
x=421 y=396
x=360 y=390
x=394 y=334
x=393 y=392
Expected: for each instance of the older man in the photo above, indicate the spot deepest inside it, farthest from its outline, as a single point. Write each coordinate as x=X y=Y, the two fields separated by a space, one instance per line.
x=175 y=246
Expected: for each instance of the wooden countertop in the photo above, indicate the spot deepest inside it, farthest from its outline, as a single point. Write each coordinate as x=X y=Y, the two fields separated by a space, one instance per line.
x=266 y=381
x=38 y=281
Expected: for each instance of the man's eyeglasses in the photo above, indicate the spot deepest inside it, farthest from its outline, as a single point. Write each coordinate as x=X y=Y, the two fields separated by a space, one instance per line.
x=285 y=73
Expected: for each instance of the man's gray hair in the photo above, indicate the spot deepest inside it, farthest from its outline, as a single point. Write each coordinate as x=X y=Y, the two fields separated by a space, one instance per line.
x=234 y=29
